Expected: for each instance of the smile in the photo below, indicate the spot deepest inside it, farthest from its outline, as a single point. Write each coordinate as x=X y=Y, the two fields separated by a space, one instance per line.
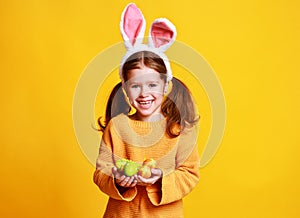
x=145 y=102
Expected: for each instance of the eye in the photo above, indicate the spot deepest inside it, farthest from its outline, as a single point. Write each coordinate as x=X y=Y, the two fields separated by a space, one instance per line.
x=135 y=86
x=152 y=85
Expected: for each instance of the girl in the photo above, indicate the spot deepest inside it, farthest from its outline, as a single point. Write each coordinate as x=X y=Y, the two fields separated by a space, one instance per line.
x=162 y=125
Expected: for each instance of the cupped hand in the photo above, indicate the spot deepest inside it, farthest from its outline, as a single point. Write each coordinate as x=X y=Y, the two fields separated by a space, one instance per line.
x=156 y=174
x=122 y=180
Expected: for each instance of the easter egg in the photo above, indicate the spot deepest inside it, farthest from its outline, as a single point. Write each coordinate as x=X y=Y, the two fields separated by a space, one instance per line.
x=131 y=168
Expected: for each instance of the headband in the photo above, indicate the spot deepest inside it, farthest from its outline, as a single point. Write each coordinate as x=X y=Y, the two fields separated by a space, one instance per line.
x=161 y=36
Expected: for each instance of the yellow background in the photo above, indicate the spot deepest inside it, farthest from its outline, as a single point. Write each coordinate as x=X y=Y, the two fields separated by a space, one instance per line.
x=253 y=47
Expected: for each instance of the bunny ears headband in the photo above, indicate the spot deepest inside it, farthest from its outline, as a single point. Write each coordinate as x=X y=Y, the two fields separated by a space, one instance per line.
x=161 y=37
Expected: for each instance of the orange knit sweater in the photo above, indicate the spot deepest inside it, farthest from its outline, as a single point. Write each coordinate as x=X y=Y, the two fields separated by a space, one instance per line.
x=135 y=140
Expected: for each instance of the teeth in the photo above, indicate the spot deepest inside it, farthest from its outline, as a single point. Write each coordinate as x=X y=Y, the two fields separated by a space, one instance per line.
x=145 y=102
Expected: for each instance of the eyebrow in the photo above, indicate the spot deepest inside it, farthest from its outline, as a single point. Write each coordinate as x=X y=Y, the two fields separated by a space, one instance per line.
x=132 y=82
x=152 y=81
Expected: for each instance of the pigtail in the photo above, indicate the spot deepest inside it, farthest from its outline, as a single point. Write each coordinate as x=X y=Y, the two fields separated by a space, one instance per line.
x=116 y=105
x=179 y=109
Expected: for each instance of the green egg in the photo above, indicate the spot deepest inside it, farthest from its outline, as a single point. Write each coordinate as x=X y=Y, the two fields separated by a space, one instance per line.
x=120 y=164
x=131 y=168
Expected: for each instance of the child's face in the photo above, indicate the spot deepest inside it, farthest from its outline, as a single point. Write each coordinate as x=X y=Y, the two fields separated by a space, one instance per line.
x=145 y=89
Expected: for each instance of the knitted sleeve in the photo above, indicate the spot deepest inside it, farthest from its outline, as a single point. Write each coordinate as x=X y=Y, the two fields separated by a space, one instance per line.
x=177 y=184
x=103 y=176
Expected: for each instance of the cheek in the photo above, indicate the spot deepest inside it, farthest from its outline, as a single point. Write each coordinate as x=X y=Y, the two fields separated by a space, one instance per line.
x=131 y=94
x=161 y=91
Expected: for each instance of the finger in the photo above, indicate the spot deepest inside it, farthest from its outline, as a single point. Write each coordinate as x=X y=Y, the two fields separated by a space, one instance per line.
x=130 y=181
x=120 y=179
x=119 y=175
x=156 y=171
x=141 y=179
x=114 y=170
x=124 y=181
x=148 y=181
x=134 y=183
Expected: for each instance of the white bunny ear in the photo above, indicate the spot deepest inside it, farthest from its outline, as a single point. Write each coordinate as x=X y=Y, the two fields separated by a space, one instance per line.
x=132 y=25
x=162 y=34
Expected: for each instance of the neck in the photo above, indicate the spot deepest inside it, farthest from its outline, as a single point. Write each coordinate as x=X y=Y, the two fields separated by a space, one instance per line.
x=153 y=118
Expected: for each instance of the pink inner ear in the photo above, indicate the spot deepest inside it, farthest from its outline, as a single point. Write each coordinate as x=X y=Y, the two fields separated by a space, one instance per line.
x=133 y=20
x=161 y=34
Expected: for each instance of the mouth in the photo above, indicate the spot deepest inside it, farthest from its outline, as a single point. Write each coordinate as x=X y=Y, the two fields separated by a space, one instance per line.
x=145 y=102
x=145 y=105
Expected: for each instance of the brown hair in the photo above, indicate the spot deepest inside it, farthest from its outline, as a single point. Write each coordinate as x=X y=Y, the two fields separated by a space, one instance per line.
x=178 y=106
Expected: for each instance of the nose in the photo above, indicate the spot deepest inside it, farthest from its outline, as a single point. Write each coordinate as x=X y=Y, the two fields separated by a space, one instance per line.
x=144 y=91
